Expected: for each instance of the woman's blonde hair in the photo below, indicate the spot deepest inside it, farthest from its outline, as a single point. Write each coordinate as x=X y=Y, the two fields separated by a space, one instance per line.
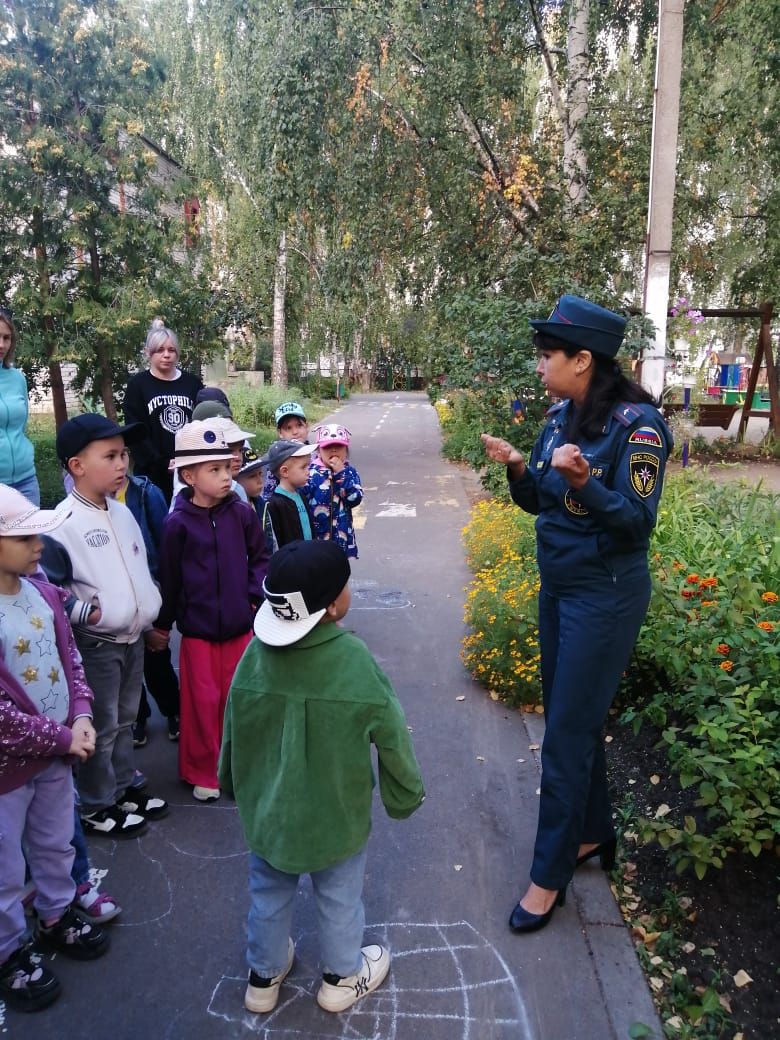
x=5 y=317
x=157 y=336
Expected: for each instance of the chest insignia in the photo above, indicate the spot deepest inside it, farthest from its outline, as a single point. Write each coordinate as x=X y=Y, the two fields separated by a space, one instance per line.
x=643 y=470
x=645 y=435
x=574 y=507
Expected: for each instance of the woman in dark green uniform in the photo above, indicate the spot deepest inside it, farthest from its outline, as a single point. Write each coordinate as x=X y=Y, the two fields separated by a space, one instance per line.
x=593 y=480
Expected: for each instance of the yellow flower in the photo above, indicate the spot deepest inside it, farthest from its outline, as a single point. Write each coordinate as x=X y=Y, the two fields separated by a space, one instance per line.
x=727 y=665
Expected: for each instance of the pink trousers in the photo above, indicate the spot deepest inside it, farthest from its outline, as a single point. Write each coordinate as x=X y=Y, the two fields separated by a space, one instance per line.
x=205 y=673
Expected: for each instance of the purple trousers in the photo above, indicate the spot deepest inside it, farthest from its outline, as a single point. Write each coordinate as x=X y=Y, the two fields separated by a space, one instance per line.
x=36 y=821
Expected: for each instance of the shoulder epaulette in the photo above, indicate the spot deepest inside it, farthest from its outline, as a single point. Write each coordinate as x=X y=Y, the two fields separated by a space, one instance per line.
x=555 y=408
x=626 y=413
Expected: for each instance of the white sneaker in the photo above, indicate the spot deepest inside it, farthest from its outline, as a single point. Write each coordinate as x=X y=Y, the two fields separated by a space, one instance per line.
x=339 y=995
x=205 y=794
x=262 y=994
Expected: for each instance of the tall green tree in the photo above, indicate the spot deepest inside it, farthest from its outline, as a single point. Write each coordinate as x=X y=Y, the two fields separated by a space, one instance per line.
x=93 y=241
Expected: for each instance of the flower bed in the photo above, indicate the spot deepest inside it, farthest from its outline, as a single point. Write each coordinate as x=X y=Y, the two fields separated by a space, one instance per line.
x=706 y=672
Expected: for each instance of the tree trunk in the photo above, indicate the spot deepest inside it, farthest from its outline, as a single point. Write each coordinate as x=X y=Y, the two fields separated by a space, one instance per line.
x=279 y=364
x=103 y=377
x=44 y=288
x=360 y=373
x=575 y=161
x=573 y=110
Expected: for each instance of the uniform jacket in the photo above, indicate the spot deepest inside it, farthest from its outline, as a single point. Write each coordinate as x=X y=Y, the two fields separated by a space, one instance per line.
x=16 y=451
x=332 y=497
x=28 y=739
x=582 y=534
x=296 y=752
x=99 y=555
x=212 y=566
x=281 y=521
x=163 y=406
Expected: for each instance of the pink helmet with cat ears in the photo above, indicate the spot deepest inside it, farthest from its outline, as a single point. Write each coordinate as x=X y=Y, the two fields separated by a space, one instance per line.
x=332 y=433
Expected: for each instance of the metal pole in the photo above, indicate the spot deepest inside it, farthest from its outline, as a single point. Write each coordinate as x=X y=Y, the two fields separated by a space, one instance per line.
x=663 y=163
x=686 y=410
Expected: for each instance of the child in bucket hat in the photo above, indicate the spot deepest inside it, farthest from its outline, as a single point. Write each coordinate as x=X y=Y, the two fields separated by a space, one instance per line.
x=334 y=488
x=213 y=560
x=304 y=791
x=45 y=724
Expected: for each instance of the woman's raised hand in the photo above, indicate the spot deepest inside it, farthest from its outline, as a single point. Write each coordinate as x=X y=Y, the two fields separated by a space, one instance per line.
x=502 y=451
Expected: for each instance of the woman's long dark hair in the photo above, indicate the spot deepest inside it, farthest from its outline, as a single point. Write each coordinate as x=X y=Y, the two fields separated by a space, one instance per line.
x=608 y=386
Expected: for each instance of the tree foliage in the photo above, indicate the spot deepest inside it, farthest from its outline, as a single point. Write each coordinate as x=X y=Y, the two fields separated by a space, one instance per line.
x=92 y=244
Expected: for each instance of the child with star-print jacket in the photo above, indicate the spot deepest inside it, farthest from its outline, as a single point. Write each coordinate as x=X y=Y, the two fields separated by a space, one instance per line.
x=29 y=738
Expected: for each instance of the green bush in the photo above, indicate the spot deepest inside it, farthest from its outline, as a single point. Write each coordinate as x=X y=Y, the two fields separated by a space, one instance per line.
x=712 y=640
x=40 y=430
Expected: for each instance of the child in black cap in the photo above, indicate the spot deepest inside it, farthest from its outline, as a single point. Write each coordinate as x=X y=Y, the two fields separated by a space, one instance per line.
x=99 y=555
x=287 y=516
x=296 y=755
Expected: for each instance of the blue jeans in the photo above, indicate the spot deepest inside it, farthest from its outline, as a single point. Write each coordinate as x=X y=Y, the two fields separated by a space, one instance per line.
x=341 y=918
x=30 y=488
x=80 y=871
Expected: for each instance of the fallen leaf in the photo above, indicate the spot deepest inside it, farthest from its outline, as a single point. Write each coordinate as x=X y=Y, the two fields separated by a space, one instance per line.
x=608 y=740
x=725 y=1003
x=539 y=709
x=656 y=983
x=521 y=760
x=656 y=960
x=688 y=947
x=632 y=781
x=662 y=810
x=480 y=758
x=461 y=698
x=685 y=902
x=651 y=938
x=533 y=747
x=675 y=1022
x=742 y=978
x=493 y=695
x=655 y=779
x=458 y=866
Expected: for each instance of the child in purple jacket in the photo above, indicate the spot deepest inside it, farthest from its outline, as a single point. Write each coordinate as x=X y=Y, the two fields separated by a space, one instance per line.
x=213 y=559
x=45 y=721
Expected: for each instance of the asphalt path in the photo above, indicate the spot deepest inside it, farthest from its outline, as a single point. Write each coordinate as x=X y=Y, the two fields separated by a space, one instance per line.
x=439 y=886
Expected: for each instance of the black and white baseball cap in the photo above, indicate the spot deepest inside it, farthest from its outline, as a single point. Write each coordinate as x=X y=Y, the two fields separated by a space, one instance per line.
x=303 y=579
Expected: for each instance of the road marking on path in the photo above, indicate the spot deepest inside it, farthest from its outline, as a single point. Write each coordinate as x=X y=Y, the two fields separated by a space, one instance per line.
x=395 y=509
x=451 y=503
x=359 y=521
x=465 y=973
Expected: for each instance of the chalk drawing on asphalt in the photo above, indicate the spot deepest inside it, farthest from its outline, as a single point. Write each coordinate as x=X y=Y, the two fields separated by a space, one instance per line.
x=446 y=982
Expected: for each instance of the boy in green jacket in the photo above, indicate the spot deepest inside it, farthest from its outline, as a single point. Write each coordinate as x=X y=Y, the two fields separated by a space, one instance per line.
x=306 y=703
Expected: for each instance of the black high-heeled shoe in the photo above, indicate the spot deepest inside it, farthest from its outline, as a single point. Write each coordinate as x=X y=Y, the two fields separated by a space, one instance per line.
x=605 y=851
x=522 y=920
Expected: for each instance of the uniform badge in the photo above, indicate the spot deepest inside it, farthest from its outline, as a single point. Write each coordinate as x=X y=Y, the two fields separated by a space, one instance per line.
x=574 y=507
x=643 y=468
x=646 y=435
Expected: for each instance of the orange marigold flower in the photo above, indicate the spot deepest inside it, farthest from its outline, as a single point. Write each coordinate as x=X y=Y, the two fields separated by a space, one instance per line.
x=687 y=593
x=708 y=583
x=724 y=648
x=769 y=597
x=727 y=665
x=693 y=579
x=677 y=565
x=709 y=602
x=767 y=626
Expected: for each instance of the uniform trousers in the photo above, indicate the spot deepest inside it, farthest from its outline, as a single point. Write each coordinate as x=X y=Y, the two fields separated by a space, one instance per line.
x=586 y=635
x=36 y=822
x=205 y=673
